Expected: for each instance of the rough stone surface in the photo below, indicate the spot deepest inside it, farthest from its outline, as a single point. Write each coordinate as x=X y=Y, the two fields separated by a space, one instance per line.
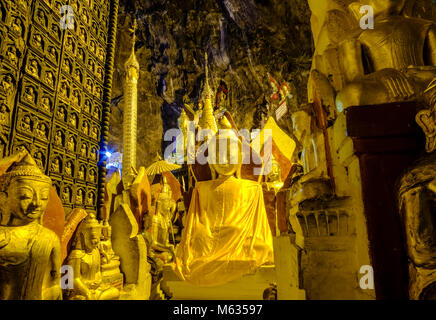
x=245 y=39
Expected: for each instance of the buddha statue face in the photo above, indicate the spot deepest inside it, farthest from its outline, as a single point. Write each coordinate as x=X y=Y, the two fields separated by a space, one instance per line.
x=26 y=199
x=24 y=193
x=228 y=156
x=91 y=233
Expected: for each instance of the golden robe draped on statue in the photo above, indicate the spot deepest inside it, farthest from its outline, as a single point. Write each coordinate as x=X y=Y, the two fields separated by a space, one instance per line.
x=227 y=233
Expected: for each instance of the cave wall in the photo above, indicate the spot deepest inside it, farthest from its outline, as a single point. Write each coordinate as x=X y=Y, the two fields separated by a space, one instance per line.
x=244 y=39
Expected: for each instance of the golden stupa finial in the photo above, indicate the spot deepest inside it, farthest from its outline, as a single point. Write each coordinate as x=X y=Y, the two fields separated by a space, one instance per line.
x=132 y=61
x=207 y=120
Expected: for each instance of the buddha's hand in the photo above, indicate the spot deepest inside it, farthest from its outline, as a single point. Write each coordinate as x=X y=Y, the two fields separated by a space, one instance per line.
x=396 y=83
x=5 y=237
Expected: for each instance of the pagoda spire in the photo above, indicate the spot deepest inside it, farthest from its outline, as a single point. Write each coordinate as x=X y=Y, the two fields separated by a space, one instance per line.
x=207 y=120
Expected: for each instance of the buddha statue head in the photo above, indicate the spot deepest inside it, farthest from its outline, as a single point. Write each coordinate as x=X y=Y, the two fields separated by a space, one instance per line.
x=89 y=234
x=24 y=193
x=275 y=173
x=225 y=154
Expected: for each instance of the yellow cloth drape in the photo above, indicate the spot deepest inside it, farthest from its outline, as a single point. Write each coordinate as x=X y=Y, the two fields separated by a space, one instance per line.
x=226 y=235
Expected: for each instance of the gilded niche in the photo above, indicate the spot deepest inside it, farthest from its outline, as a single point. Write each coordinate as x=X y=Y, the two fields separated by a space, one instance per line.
x=29 y=253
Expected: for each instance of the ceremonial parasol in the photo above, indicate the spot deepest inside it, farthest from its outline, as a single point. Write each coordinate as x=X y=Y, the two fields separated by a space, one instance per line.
x=161 y=166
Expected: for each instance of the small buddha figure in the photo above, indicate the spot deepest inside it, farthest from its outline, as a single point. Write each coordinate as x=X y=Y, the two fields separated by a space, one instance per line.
x=84 y=150
x=16 y=26
x=100 y=73
x=71 y=145
x=59 y=139
x=273 y=179
x=66 y=66
x=92 y=176
x=94 y=133
x=94 y=153
x=227 y=234
x=110 y=262
x=12 y=55
x=92 y=46
x=85 y=259
x=7 y=84
x=64 y=91
x=38 y=157
x=395 y=61
x=82 y=173
x=79 y=197
x=73 y=120
x=96 y=113
x=82 y=35
x=61 y=113
x=76 y=98
x=4 y=115
x=33 y=68
x=45 y=104
x=49 y=79
x=85 y=128
x=70 y=44
x=29 y=94
x=55 y=166
x=41 y=131
x=66 y=195
x=69 y=169
x=29 y=253
x=100 y=54
x=81 y=55
x=52 y=54
x=78 y=75
x=26 y=124
x=40 y=17
x=98 y=92
x=89 y=86
x=90 y=199
x=37 y=42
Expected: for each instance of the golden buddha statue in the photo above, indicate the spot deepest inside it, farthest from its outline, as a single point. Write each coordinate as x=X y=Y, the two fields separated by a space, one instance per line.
x=85 y=259
x=394 y=61
x=110 y=262
x=227 y=234
x=162 y=222
x=29 y=253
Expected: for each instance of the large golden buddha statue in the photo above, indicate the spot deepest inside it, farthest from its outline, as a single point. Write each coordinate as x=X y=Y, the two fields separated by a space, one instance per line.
x=394 y=61
x=227 y=233
x=29 y=253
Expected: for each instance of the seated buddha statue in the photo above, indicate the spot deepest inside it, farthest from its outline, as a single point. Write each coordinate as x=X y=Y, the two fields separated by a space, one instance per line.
x=394 y=61
x=226 y=234
x=30 y=254
x=110 y=262
x=86 y=261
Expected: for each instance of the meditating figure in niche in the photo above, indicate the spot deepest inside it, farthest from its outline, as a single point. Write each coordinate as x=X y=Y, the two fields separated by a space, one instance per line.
x=52 y=54
x=26 y=124
x=34 y=68
x=61 y=113
x=29 y=94
x=73 y=120
x=227 y=233
x=12 y=55
x=69 y=169
x=16 y=26
x=55 y=166
x=38 y=157
x=92 y=176
x=94 y=133
x=7 y=84
x=4 y=115
x=82 y=173
x=66 y=195
x=41 y=131
x=395 y=61
x=84 y=150
x=29 y=253
x=59 y=139
x=49 y=79
x=79 y=197
x=85 y=128
x=85 y=258
x=37 y=41
x=45 y=104
x=90 y=199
